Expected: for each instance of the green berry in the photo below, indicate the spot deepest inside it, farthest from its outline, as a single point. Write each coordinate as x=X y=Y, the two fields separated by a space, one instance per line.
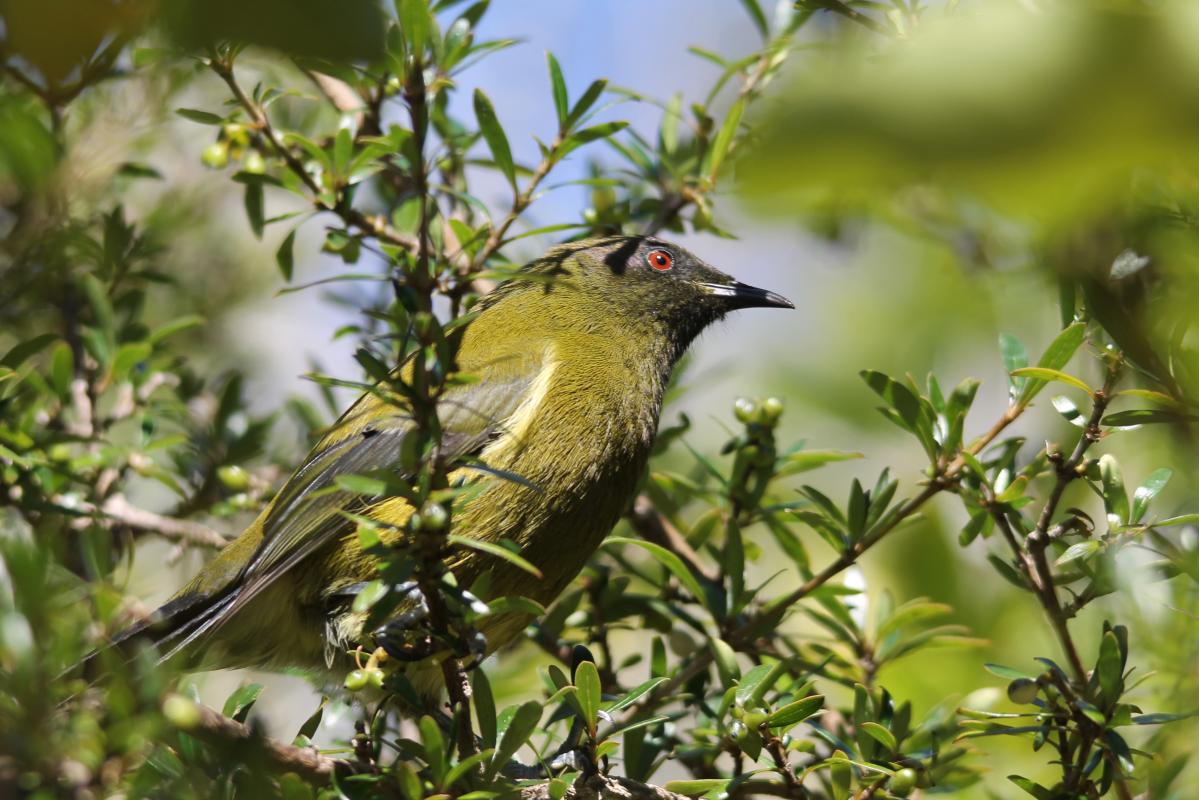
x=745 y=410
x=233 y=477
x=902 y=782
x=356 y=681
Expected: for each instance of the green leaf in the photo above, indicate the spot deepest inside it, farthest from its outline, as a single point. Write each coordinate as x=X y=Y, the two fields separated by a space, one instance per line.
x=368 y=596
x=1184 y=519
x=805 y=460
x=587 y=681
x=97 y=298
x=129 y=356
x=1044 y=375
x=585 y=102
x=635 y=694
x=241 y=701
x=496 y=549
x=601 y=131
x=285 y=256
x=695 y=788
x=1079 y=550
x=1056 y=356
x=794 y=713
x=1115 y=497
x=558 y=85
x=749 y=684
x=416 y=22
x=881 y=735
x=1063 y=347
x=726 y=661
x=1150 y=489
x=62 y=368
x=1160 y=718
x=434 y=744
x=1035 y=789
x=483 y=700
x=362 y=484
x=497 y=142
x=1144 y=416
x=755 y=13
x=724 y=139
x=519 y=729
x=1110 y=668
x=1015 y=357
x=459 y=770
x=202 y=117
x=669 y=560
x=25 y=350
x=175 y=326
x=254 y=208
x=1007 y=672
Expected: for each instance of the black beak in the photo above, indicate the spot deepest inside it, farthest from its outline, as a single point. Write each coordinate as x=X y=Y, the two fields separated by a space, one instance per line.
x=742 y=295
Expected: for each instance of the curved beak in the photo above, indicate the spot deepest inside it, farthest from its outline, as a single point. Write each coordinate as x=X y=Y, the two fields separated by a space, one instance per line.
x=742 y=295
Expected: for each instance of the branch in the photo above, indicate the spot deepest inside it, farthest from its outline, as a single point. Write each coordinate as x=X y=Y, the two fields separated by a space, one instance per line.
x=306 y=762
x=655 y=527
x=371 y=225
x=521 y=201
x=118 y=509
x=764 y=617
x=605 y=787
x=852 y=14
x=1038 y=540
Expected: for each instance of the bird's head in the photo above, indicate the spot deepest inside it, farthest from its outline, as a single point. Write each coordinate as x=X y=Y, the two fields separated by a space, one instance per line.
x=639 y=282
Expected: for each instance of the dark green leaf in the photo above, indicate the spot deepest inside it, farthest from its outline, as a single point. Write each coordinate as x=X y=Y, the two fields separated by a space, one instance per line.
x=202 y=117
x=794 y=713
x=497 y=142
x=585 y=102
x=558 y=85
x=241 y=701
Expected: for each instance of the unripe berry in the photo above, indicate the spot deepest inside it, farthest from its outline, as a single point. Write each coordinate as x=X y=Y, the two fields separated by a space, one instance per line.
x=745 y=410
x=902 y=782
x=233 y=478
x=356 y=681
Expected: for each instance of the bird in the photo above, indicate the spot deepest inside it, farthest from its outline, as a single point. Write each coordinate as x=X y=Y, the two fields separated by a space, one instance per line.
x=570 y=360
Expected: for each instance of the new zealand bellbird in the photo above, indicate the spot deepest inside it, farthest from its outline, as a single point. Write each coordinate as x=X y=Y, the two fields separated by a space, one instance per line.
x=571 y=371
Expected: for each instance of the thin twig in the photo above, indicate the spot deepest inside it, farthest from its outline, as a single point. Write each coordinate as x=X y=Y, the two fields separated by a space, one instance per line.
x=304 y=761
x=763 y=618
x=373 y=226
x=118 y=509
x=653 y=526
x=852 y=14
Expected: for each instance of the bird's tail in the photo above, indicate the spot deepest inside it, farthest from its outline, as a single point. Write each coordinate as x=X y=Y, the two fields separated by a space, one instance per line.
x=169 y=631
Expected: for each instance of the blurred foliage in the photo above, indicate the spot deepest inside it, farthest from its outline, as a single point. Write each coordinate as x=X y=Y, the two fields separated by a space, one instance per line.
x=720 y=642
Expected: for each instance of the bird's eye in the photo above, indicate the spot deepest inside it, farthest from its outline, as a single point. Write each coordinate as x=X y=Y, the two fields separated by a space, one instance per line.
x=660 y=260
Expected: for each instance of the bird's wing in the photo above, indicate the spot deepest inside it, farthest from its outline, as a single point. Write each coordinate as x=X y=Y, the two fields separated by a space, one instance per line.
x=307 y=513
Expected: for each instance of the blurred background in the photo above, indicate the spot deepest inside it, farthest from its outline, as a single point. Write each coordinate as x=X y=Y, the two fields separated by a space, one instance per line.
x=916 y=194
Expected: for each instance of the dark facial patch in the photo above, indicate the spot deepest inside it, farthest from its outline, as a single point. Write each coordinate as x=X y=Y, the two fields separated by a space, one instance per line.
x=617 y=259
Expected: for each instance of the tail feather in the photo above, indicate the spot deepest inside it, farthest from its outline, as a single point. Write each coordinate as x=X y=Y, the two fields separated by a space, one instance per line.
x=169 y=630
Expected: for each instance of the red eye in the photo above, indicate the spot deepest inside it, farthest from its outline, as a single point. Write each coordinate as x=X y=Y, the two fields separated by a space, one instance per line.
x=660 y=260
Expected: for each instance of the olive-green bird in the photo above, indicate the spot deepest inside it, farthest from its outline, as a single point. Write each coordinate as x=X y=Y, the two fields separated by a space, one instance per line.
x=571 y=373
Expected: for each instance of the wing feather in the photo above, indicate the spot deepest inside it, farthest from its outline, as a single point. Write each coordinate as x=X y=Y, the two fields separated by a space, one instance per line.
x=306 y=515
